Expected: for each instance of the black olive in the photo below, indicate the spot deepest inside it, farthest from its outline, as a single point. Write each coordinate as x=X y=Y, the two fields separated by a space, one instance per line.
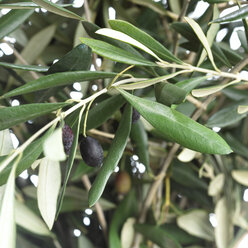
x=91 y=151
x=67 y=136
x=135 y=114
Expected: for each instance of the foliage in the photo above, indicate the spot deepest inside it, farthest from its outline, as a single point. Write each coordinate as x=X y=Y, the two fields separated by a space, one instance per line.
x=186 y=157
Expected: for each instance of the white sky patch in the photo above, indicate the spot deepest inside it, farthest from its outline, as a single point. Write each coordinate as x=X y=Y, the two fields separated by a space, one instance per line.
x=234 y=39
x=111 y=13
x=243 y=243
x=56 y=60
x=15 y=102
x=34 y=179
x=76 y=95
x=43 y=10
x=216 y=129
x=6 y=49
x=94 y=87
x=76 y=232
x=98 y=62
x=77 y=86
x=245 y=196
x=221 y=34
x=15 y=141
x=92 y=68
x=200 y=9
x=135 y=157
x=54 y=1
x=88 y=211
x=212 y=219
x=9 y=39
x=244 y=74
x=117 y=169
x=37 y=10
x=140 y=167
x=86 y=221
x=1 y=53
x=24 y=174
x=78 y=3
x=5 y=11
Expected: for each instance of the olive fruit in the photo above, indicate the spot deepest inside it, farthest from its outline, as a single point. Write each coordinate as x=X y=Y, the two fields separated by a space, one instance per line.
x=122 y=182
x=91 y=151
x=135 y=114
x=67 y=137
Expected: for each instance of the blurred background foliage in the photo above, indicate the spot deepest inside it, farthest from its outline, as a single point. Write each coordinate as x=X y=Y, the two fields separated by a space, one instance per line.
x=202 y=202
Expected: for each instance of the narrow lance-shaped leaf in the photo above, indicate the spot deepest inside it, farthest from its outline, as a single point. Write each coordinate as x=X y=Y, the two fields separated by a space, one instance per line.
x=115 y=53
x=48 y=189
x=114 y=155
x=157 y=235
x=11 y=116
x=57 y=79
x=127 y=39
x=144 y=38
x=197 y=29
x=178 y=127
x=55 y=8
x=236 y=15
x=7 y=212
x=25 y=5
x=6 y=144
x=211 y=34
x=25 y=67
x=13 y=20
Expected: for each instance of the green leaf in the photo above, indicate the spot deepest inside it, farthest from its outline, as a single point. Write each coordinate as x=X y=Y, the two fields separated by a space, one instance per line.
x=24 y=5
x=216 y=1
x=196 y=222
x=28 y=220
x=78 y=59
x=84 y=242
x=58 y=79
x=226 y=116
x=7 y=212
x=211 y=34
x=91 y=29
x=189 y=84
x=144 y=38
x=139 y=139
x=114 y=53
x=183 y=174
x=242 y=109
x=57 y=9
x=219 y=55
x=149 y=82
x=12 y=20
x=11 y=116
x=53 y=146
x=48 y=189
x=69 y=163
x=114 y=155
x=125 y=38
x=37 y=44
x=235 y=15
x=157 y=235
x=25 y=67
x=178 y=127
x=197 y=29
x=236 y=145
x=216 y=185
x=125 y=209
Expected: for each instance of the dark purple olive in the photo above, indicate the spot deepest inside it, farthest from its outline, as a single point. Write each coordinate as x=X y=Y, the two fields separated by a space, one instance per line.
x=135 y=114
x=67 y=136
x=91 y=151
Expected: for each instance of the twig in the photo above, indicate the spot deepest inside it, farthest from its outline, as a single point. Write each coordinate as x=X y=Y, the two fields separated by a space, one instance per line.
x=99 y=211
